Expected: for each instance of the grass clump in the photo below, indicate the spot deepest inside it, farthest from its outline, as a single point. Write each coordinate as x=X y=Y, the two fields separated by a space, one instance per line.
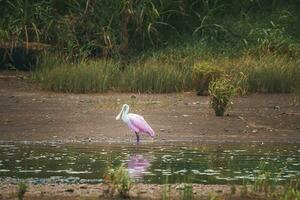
x=22 y=189
x=166 y=189
x=265 y=181
x=269 y=73
x=119 y=180
x=292 y=190
x=155 y=78
x=82 y=77
x=203 y=73
x=187 y=192
x=184 y=68
x=104 y=75
x=221 y=91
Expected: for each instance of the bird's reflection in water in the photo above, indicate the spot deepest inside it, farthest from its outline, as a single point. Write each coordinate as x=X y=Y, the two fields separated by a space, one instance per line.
x=137 y=165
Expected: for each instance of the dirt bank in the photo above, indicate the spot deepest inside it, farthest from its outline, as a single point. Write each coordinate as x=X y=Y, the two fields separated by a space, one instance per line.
x=138 y=191
x=30 y=114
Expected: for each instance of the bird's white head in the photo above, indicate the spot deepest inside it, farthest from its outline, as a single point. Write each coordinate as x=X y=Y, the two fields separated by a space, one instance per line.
x=125 y=108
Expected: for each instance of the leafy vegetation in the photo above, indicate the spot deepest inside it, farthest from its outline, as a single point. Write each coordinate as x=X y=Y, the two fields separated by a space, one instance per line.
x=166 y=188
x=203 y=74
x=187 y=192
x=119 y=180
x=22 y=189
x=221 y=92
x=153 y=46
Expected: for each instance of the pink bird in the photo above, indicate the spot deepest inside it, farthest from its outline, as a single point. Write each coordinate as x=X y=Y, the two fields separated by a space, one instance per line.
x=136 y=123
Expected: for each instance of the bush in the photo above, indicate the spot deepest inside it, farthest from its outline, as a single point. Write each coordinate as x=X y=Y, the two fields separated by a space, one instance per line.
x=203 y=73
x=119 y=179
x=221 y=91
x=22 y=188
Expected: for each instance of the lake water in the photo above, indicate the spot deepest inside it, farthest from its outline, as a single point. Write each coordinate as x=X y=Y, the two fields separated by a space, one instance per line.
x=149 y=163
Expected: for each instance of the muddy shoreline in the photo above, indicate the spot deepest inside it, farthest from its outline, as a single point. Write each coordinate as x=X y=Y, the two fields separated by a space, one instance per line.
x=138 y=191
x=30 y=114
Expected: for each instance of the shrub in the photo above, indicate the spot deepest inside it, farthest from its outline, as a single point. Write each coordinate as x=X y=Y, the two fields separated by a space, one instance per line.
x=119 y=180
x=221 y=91
x=202 y=74
x=22 y=188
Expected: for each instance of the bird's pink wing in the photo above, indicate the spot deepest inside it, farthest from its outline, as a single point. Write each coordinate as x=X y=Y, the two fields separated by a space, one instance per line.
x=137 y=122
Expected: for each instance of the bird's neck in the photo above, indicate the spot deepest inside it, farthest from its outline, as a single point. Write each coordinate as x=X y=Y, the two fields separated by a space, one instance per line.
x=125 y=116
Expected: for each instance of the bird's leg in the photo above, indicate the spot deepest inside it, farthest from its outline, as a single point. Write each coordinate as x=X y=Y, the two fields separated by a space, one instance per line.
x=137 y=137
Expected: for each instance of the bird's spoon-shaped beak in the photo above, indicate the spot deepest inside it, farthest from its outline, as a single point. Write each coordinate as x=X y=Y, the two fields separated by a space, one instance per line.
x=119 y=115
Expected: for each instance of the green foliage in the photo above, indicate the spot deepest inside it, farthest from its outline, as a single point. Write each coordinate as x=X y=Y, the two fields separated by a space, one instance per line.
x=82 y=77
x=187 y=192
x=268 y=73
x=290 y=193
x=22 y=189
x=203 y=73
x=76 y=28
x=102 y=75
x=264 y=181
x=166 y=188
x=221 y=91
x=155 y=78
x=119 y=180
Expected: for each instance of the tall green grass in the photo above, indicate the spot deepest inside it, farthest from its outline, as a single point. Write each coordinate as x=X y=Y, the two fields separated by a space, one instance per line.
x=268 y=73
x=104 y=75
x=156 y=77
x=86 y=76
x=164 y=72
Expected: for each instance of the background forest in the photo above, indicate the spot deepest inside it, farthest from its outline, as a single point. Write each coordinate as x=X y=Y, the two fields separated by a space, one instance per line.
x=152 y=45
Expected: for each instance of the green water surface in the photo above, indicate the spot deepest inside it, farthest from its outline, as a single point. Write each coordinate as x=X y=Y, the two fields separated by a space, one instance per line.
x=150 y=163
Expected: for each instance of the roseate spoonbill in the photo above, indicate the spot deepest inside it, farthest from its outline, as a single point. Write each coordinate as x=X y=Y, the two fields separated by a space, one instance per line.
x=136 y=123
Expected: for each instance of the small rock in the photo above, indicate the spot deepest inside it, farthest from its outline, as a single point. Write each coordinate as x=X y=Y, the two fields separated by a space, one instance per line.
x=185 y=115
x=190 y=123
x=276 y=107
x=254 y=131
x=55 y=136
x=161 y=130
